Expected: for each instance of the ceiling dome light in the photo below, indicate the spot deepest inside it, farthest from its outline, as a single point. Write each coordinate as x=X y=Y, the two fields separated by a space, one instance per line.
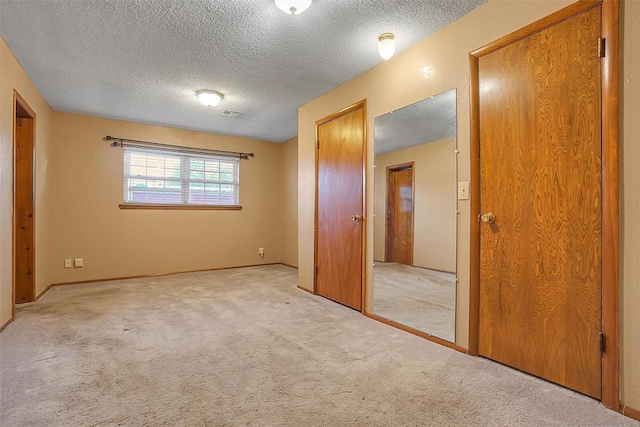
x=293 y=7
x=210 y=98
x=386 y=45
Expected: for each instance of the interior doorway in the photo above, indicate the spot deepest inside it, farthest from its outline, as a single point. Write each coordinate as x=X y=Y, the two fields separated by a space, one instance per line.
x=24 y=285
x=544 y=288
x=340 y=206
x=399 y=214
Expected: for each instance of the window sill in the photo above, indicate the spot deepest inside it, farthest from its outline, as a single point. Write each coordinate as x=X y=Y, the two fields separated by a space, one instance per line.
x=181 y=207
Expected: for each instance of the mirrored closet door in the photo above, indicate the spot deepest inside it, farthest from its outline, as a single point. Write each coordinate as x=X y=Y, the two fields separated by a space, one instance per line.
x=415 y=222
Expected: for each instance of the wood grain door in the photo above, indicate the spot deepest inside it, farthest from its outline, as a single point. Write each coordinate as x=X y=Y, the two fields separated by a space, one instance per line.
x=399 y=221
x=24 y=261
x=540 y=166
x=339 y=241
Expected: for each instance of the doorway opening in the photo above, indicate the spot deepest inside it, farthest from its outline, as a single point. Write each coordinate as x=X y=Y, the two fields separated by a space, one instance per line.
x=24 y=126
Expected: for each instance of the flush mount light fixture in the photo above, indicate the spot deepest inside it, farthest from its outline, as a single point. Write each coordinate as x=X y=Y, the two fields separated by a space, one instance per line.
x=210 y=98
x=386 y=45
x=293 y=7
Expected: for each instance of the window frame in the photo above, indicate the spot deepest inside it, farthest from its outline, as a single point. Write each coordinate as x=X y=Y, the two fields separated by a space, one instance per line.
x=185 y=180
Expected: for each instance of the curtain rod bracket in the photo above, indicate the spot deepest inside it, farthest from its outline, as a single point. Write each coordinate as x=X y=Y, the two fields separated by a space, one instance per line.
x=115 y=142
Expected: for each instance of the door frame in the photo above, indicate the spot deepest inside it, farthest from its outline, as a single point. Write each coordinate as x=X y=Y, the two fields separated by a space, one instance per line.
x=18 y=100
x=390 y=171
x=353 y=107
x=610 y=84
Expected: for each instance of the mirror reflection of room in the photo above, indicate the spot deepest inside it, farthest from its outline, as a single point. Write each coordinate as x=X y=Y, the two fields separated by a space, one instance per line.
x=415 y=216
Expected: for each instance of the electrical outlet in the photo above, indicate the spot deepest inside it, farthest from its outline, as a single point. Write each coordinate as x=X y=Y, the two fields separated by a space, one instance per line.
x=261 y=252
x=78 y=263
x=68 y=263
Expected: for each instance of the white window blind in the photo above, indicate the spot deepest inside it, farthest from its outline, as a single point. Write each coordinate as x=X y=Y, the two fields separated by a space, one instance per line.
x=156 y=176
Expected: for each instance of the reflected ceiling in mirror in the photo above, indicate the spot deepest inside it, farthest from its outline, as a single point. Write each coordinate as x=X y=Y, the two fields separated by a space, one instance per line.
x=431 y=119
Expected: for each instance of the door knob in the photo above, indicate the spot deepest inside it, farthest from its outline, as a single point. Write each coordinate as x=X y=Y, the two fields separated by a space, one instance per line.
x=356 y=218
x=488 y=218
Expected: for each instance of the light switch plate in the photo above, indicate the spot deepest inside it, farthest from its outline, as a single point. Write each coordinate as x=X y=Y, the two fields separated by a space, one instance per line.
x=463 y=190
x=68 y=263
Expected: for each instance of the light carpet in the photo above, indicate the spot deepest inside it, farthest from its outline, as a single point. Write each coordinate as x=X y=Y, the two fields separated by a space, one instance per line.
x=244 y=347
x=417 y=297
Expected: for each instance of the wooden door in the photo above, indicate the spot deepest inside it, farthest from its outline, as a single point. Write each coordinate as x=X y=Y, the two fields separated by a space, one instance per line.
x=24 y=212
x=339 y=241
x=399 y=221
x=540 y=175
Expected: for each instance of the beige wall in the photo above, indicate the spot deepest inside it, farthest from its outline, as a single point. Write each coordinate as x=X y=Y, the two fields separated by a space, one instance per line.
x=434 y=229
x=289 y=226
x=400 y=81
x=630 y=225
x=88 y=223
x=13 y=77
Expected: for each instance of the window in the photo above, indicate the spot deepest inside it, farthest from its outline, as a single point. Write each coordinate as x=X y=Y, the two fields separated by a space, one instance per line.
x=164 y=177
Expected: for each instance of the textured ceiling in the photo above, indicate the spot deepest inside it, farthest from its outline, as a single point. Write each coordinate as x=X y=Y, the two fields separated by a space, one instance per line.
x=429 y=120
x=143 y=60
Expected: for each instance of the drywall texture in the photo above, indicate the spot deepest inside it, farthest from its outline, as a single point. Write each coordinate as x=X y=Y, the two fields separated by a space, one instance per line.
x=88 y=223
x=289 y=207
x=630 y=226
x=142 y=60
x=434 y=221
x=13 y=78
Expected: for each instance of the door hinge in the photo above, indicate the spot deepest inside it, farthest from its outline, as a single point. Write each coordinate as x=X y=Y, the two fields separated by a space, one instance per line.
x=318 y=144
x=479 y=218
x=601 y=342
x=601 y=46
x=316 y=270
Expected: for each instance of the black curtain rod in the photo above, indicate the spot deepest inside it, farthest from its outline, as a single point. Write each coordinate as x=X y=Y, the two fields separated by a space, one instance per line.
x=124 y=142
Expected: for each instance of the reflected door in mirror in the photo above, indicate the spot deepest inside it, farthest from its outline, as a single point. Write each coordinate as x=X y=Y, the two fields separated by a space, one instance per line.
x=399 y=216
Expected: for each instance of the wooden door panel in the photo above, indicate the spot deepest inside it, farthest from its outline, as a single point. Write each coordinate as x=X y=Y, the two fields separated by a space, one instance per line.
x=24 y=224
x=340 y=196
x=540 y=149
x=400 y=216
